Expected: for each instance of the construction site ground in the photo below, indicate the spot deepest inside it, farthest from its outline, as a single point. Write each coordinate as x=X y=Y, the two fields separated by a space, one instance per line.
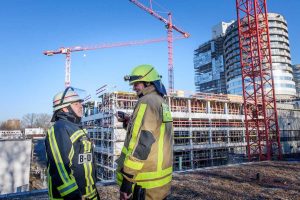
x=258 y=180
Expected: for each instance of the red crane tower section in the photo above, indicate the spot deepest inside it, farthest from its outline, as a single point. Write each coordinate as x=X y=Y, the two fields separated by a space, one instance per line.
x=170 y=27
x=262 y=131
x=68 y=50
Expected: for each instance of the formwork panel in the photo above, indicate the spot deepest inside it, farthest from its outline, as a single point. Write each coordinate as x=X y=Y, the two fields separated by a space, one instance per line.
x=236 y=136
x=179 y=105
x=217 y=107
x=182 y=160
x=219 y=136
x=181 y=138
x=234 y=109
x=220 y=156
x=200 y=137
x=198 y=106
x=201 y=158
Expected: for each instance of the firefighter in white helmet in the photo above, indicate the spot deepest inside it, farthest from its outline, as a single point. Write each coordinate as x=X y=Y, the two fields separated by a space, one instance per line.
x=71 y=172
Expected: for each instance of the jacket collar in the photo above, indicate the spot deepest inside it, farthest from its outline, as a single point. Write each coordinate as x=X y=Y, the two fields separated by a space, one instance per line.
x=67 y=117
x=147 y=90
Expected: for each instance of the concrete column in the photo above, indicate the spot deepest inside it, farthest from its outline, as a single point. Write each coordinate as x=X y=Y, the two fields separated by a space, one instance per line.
x=210 y=132
x=189 y=106
x=95 y=108
x=227 y=130
x=243 y=132
x=190 y=120
x=190 y=134
x=228 y=135
x=89 y=110
x=191 y=158
x=227 y=120
x=208 y=109
x=211 y=152
x=180 y=163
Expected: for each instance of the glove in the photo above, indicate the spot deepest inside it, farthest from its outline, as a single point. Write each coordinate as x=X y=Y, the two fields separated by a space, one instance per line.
x=139 y=193
x=126 y=186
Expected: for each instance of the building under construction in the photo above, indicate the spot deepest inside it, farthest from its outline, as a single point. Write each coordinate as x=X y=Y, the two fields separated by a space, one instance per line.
x=208 y=130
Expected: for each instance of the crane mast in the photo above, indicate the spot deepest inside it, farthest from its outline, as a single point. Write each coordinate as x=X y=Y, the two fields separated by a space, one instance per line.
x=261 y=121
x=68 y=68
x=170 y=26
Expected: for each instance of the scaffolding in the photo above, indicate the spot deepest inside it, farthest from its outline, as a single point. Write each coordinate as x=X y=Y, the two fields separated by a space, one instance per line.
x=208 y=130
x=105 y=131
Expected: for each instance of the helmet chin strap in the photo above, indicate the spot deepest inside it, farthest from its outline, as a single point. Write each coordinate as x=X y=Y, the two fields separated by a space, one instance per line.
x=71 y=111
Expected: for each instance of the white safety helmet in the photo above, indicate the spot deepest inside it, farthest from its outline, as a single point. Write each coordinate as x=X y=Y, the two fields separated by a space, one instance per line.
x=65 y=98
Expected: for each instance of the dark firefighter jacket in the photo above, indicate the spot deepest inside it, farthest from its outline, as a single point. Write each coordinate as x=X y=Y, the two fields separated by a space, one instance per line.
x=69 y=160
x=147 y=157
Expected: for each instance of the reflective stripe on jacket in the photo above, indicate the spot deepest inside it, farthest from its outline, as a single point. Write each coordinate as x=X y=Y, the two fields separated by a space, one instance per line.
x=147 y=156
x=69 y=161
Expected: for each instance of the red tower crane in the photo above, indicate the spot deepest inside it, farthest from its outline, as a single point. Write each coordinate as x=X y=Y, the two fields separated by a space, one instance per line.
x=262 y=130
x=68 y=50
x=170 y=27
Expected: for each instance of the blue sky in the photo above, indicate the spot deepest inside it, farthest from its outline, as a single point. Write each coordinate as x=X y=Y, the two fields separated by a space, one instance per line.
x=29 y=79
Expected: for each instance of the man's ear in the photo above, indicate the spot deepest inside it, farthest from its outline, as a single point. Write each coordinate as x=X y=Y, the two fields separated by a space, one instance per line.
x=65 y=109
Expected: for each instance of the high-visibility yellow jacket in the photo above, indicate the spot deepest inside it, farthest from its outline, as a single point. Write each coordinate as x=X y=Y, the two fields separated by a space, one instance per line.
x=147 y=156
x=70 y=165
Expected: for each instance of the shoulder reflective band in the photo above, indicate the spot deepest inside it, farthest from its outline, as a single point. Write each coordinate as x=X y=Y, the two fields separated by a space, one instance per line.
x=76 y=135
x=161 y=147
x=167 y=117
x=136 y=127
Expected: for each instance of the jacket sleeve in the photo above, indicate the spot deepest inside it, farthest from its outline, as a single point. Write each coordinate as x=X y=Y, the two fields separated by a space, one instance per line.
x=146 y=121
x=58 y=150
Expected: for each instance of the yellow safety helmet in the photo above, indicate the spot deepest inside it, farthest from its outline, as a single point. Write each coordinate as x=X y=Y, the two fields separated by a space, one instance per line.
x=143 y=73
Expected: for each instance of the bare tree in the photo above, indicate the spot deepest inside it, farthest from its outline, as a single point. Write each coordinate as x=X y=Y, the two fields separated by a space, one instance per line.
x=2 y=125
x=43 y=120
x=28 y=120
x=34 y=120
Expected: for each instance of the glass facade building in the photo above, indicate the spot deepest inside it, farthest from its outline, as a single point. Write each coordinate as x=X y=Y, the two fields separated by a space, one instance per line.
x=296 y=69
x=281 y=59
x=209 y=63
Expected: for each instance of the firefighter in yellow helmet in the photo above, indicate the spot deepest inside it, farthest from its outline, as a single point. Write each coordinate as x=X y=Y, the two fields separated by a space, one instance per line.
x=145 y=165
x=71 y=172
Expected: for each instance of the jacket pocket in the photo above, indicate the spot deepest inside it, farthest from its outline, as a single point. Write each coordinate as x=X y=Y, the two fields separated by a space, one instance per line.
x=144 y=145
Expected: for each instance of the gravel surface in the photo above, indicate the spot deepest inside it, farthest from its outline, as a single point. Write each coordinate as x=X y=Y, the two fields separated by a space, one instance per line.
x=259 y=180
